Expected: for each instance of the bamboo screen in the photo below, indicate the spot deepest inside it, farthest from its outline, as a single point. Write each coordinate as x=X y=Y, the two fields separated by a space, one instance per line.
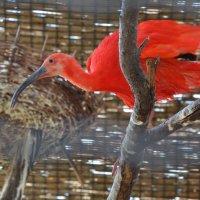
x=171 y=167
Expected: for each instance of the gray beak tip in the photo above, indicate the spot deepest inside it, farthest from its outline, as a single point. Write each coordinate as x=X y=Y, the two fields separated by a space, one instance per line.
x=26 y=83
x=12 y=103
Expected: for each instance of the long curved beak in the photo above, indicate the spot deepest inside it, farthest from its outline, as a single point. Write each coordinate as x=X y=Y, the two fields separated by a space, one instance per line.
x=37 y=74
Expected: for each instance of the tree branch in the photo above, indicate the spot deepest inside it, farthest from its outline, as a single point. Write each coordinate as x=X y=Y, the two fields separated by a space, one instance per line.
x=132 y=148
x=181 y=119
x=130 y=61
x=138 y=136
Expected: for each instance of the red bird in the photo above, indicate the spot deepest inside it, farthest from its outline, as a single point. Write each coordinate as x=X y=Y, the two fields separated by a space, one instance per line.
x=168 y=39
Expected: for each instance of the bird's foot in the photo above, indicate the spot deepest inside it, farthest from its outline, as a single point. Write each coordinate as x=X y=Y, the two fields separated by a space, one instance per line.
x=115 y=166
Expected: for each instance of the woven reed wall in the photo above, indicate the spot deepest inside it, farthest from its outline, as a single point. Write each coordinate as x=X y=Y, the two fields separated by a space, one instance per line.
x=171 y=168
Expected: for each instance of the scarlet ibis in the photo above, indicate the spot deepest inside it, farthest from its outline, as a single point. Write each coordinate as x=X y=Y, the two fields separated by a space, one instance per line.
x=168 y=39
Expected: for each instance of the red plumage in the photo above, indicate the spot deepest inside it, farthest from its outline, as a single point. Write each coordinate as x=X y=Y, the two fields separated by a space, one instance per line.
x=168 y=39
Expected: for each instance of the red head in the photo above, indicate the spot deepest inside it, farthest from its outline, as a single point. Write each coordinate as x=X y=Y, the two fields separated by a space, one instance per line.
x=52 y=66
x=55 y=64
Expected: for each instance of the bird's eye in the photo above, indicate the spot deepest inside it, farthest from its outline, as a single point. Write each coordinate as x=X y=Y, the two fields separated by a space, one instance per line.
x=50 y=60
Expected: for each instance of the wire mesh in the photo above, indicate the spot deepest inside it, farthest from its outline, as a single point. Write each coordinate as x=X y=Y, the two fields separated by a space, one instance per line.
x=171 y=167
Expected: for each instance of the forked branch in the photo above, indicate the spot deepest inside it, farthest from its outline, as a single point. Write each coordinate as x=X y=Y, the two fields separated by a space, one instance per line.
x=132 y=148
x=138 y=136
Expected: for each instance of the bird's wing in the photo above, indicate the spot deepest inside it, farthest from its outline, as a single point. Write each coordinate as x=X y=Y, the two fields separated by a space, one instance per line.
x=105 y=56
x=168 y=38
x=175 y=77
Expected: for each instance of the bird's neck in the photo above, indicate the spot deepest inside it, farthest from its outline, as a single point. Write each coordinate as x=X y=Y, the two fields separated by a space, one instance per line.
x=74 y=73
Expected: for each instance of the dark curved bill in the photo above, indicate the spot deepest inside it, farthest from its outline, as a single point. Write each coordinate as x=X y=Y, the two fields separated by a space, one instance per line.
x=42 y=70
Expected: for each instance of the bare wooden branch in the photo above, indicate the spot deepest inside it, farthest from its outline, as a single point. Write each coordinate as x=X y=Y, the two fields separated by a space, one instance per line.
x=130 y=61
x=21 y=165
x=144 y=43
x=132 y=148
x=138 y=136
x=181 y=119
x=151 y=71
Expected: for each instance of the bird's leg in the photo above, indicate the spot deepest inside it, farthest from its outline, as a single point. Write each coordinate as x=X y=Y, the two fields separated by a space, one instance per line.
x=115 y=165
x=20 y=167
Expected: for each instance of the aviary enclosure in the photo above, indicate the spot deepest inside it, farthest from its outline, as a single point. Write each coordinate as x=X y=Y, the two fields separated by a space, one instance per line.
x=81 y=132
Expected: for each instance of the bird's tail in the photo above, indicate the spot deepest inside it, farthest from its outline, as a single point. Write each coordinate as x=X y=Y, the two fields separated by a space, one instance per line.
x=176 y=77
x=191 y=72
